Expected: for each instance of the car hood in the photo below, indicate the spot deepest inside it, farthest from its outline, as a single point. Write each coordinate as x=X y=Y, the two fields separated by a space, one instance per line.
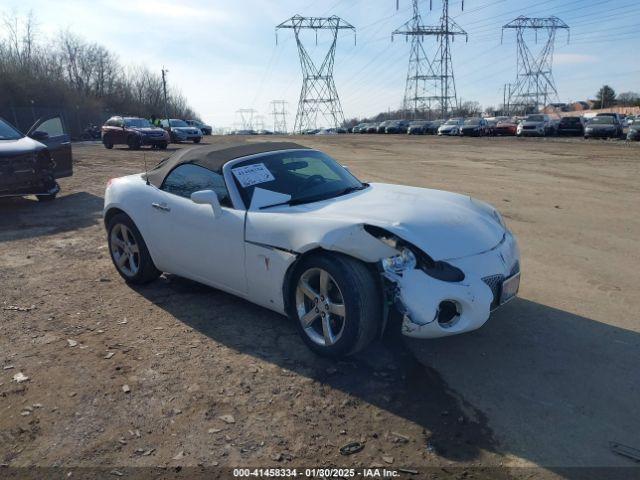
x=444 y=225
x=9 y=148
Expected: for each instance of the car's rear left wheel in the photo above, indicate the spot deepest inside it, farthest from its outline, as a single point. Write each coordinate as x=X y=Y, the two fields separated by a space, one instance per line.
x=129 y=251
x=336 y=304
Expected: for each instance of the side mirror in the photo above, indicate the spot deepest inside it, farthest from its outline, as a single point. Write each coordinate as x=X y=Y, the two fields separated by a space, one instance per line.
x=39 y=135
x=208 y=197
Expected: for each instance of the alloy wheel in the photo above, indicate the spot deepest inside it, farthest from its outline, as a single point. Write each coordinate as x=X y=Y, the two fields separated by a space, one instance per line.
x=320 y=307
x=125 y=250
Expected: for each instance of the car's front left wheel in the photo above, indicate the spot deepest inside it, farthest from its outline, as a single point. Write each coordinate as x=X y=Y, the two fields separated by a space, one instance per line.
x=129 y=252
x=336 y=304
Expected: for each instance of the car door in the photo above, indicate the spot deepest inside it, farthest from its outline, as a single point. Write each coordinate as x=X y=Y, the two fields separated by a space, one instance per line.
x=191 y=241
x=51 y=132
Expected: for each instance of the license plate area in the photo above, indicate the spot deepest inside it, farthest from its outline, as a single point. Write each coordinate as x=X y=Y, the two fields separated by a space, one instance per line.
x=510 y=288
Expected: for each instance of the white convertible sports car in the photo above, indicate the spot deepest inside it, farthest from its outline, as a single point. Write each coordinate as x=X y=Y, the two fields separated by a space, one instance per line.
x=288 y=228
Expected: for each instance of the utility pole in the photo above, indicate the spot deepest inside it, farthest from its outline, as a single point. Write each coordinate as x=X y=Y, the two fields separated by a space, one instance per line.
x=164 y=91
x=319 y=96
x=279 y=116
x=246 y=118
x=430 y=81
x=534 y=85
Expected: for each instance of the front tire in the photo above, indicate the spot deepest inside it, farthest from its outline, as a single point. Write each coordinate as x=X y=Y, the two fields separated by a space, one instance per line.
x=196 y=140
x=336 y=304
x=129 y=252
x=108 y=144
x=134 y=142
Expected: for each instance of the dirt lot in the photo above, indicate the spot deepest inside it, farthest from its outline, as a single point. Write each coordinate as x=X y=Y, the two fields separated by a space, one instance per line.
x=550 y=380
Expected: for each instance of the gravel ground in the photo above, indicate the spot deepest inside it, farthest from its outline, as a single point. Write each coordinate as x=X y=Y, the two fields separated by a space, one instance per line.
x=178 y=374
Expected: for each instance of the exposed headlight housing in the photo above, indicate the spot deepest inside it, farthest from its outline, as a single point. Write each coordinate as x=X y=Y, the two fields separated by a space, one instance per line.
x=399 y=263
x=411 y=257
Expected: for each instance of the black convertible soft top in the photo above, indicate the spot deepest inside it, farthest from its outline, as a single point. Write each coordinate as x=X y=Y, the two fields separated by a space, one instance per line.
x=213 y=157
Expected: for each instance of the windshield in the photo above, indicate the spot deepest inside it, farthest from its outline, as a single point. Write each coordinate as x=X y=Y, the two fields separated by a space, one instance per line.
x=535 y=118
x=418 y=124
x=472 y=121
x=636 y=122
x=137 y=122
x=178 y=123
x=453 y=121
x=602 y=120
x=195 y=122
x=306 y=175
x=7 y=132
x=570 y=120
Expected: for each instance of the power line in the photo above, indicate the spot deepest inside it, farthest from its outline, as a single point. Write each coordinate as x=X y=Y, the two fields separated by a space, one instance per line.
x=319 y=96
x=534 y=84
x=430 y=84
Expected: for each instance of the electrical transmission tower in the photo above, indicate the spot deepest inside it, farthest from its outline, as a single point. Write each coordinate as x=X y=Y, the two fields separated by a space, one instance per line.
x=246 y=118
x=279 y=112
x=430 y=84
x=318 y=97
x=534 y=85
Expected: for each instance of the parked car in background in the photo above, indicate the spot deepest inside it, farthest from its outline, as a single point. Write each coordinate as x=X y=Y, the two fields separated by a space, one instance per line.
x=505 y=128
x=418 y=127
x=357 y=128
x=603 y=126
x=397 y=126
x=134 y=132
x=451 y=127
x=571 y=127
x=432 y=127
x=634 y=130
x=537 y=124
x=30 y=164
x=181 y=131
x=205 y=129
x=382 y=126
x=371 y=128
x=327 y=131
x=474 y=127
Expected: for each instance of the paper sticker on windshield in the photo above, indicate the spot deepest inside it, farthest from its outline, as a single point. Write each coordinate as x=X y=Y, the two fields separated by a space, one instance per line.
x=251 y=175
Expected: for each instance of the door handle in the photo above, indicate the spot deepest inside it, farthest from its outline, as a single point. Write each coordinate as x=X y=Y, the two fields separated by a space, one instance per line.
x=161 y=206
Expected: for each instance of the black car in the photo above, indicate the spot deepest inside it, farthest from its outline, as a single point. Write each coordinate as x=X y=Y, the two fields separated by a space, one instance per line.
x=30 y=164
x=634 y=130
x=474 y=127
x=571 y=127
x=397 y=126
x=418 y=127
x=432 y=128
x=603 y=126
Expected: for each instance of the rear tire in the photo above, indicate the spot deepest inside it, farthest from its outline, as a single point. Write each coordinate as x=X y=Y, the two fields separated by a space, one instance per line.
x=349 y=306
x=196 y=140
x=129 y=251
x=162 y=146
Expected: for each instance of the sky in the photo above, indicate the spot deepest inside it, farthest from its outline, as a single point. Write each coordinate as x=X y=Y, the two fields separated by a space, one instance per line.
x=223 y=55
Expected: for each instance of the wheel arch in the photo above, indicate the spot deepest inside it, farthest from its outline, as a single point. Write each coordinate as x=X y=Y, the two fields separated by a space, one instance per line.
x=111 y=212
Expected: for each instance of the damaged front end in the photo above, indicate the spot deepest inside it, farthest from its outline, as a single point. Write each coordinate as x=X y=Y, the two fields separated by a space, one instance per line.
x=435 y=298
